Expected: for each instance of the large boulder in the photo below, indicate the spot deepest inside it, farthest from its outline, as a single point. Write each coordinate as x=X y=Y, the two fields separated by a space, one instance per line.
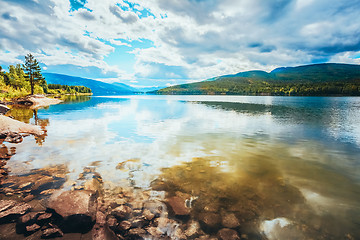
x=76 y=208
x=8 y=125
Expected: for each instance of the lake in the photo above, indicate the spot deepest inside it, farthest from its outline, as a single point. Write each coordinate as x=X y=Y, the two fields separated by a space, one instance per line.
x=287 y=167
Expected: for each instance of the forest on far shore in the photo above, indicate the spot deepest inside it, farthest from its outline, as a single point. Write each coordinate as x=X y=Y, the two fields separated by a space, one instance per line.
x=309 y=80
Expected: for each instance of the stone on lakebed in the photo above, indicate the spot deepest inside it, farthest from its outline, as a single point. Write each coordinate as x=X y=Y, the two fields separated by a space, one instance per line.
x=77 y=208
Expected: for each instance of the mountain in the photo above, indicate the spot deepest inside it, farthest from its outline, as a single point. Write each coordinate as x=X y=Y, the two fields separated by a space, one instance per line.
x=123 y=85
x=149 y=89
x=97 y=87
x=308 y=80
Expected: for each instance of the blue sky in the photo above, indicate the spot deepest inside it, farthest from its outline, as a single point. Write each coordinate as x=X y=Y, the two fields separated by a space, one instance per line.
x=166 y=42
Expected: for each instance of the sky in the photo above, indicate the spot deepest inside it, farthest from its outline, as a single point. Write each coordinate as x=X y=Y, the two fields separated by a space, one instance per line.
x=146 y=43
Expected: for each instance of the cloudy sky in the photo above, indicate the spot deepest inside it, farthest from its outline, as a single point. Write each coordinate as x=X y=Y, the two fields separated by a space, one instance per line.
x=165 y=42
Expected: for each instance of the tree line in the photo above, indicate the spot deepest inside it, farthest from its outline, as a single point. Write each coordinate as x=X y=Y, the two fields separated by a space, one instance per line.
x=25 y=79
x=252 y=86
x=66 y=89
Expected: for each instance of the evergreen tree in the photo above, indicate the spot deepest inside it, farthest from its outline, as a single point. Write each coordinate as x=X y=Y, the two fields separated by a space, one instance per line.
x=33 y=72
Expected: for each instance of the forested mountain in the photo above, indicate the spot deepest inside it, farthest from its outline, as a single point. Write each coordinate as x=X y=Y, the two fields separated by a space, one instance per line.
x=97 y=87
x=308 y=80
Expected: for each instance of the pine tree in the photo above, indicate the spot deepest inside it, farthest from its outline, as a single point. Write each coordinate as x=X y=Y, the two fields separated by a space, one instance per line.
x=33 y=71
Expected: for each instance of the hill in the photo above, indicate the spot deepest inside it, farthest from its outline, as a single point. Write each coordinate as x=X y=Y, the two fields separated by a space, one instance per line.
x=97 y=87
x=309 y=80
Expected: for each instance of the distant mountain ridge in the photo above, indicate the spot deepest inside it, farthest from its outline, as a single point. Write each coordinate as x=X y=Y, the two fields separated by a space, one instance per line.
x=307 y=80
x=97 y=87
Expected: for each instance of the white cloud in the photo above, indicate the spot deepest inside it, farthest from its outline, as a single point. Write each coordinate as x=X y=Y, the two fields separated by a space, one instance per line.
x=191 y=39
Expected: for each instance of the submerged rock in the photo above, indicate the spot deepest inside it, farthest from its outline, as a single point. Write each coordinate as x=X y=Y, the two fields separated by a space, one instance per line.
x=228 y=234
x=32 y=228
x=125 y=225
x=193 y=229
x=29 y=218
x=52 y=232
x=209 y=221
x=229 y=220
x=77 y=208
x=12 y=209
x=178 y=206
x=44 y=217
x=137 y=233
x=121 y=212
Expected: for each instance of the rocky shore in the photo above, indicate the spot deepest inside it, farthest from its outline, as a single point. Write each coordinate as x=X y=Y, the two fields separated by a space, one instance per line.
x=12 y=130
x=117 y=213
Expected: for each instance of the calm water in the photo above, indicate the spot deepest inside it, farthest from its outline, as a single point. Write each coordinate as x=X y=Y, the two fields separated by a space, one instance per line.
x=288 y=166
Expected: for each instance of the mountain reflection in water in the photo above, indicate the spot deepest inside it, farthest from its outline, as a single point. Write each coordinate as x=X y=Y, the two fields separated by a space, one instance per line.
x=270 y=161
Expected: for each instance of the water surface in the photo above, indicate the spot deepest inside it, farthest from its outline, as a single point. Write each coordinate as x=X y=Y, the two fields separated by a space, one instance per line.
x=294 y=161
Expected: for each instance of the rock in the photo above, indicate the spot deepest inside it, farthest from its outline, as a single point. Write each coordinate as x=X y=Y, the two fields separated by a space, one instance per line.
x=29 y=218
x=103 y=233
x=6 y=204
x=32 y=228
x=137 y=233
x=137 y=204
x=137 y=212
x=206 y=237
x=228 y=234
x=177 y=205
x=209 y=221
x=48 y=192
x=178 y=234
x=26 y=185
x=100 y=218
x=112 y=222
x=155 y=207
x=148 y=215
x=125 y=225
x=3 y=109
x=155 y=232
x=13 y=137
x=44 y=217
x=137 y=223
x=121 y=212
x=161 y=222
x=69 y=203
x=212 y=207
x=52 y=232
x=43 y=183
x=11 y=209
x=28 y=198
x=37 y=101
x=165 y=225
x=244 y=236
x=77 y=208
x=93 y=185
x=8 y=125
x=229 y=220
x=193 y=229
x=101 y=230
